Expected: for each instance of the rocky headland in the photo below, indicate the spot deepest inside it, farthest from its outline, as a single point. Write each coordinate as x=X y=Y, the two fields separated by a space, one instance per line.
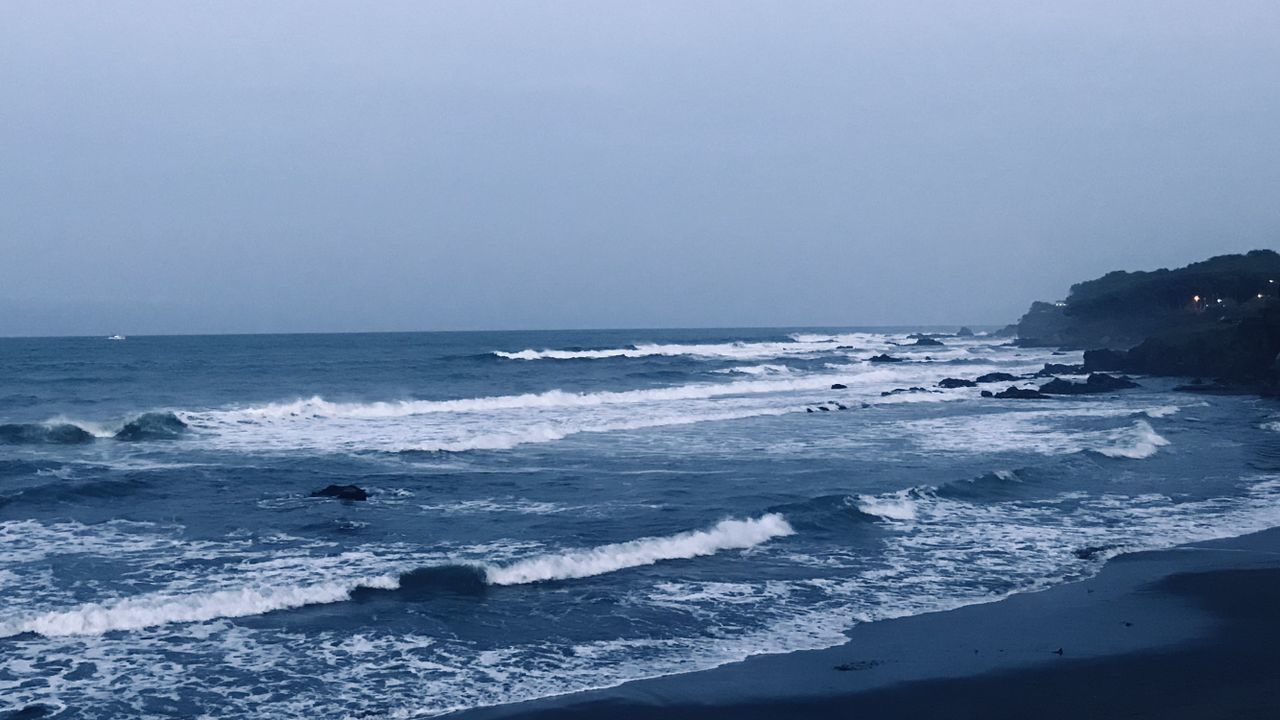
x=1216 y=322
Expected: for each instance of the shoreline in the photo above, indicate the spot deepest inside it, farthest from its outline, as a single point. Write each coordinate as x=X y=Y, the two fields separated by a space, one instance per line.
x=1189 y=631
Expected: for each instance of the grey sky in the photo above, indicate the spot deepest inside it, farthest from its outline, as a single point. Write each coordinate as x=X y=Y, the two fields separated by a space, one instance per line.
x=300 y=166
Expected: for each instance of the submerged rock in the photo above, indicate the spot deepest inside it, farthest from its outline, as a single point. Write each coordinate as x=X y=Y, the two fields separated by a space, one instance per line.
x=1017 y=393
x=883 y=358
x=996 y=377
x=1097 y=383
x=342 y=492
x=951 y=383
x=900 y=391
x=926 y=341
x=839 y=386
x=1051 y=369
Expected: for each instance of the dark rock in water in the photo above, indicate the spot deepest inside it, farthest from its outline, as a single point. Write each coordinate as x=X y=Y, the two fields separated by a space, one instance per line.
x=986 y=393
x=845 y=347
x=342 y=492
x=1051 y=369
x=39 y=434
x=884 y=358
x=1095 y=360
x=1239 y=351
x=950 y=383
x=899 y=391
x=841 y=407
x=1016 y=393
x=858 y=665
x=1097 y=383
x=866 y=405
x=1089 y=552
x=964 y=332
x=926 y=341
x=839 y=386
x=824 y=408
x=152 y=426
x=808 y=410
x=1110 y=382
x=1063 y=387
x=996 y=377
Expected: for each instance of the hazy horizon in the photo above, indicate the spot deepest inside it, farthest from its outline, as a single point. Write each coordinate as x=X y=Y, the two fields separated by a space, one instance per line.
x=222 y=168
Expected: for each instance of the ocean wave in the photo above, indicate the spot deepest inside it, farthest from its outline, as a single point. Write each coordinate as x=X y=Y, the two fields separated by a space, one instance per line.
x=803 y=344
x=1036 y=431
x=1142 y=442
x=755 y=370
x=899 y=506
x=164 y=608
x=44 y=434
x=507 y=440
x=318 y=407
x=147 y=426
x=726 y=535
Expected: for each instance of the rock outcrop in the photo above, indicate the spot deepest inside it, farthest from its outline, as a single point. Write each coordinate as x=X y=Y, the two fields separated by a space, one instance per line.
x=342 y=492
x=1121 y=309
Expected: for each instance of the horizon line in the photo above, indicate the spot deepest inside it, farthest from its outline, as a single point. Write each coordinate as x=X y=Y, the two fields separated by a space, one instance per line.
x=508 y=330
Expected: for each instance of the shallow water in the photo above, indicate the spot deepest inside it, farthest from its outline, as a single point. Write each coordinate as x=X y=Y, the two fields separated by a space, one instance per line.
x=548 y=512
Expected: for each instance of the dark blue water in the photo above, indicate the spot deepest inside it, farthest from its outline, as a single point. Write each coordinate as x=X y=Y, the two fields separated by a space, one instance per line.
x=547 y=512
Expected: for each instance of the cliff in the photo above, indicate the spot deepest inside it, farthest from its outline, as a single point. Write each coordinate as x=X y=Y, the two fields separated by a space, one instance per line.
x=1217 y=319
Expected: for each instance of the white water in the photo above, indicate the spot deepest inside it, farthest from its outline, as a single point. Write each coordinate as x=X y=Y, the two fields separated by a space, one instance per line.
x=726 y=535
x=283 y=584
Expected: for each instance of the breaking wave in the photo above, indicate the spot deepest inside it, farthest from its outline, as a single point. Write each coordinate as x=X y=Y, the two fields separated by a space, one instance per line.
x=726 y=535
x=147 y=426
x=318 y=407
x=44 y=434
x=1143 y=442
x=149 y=610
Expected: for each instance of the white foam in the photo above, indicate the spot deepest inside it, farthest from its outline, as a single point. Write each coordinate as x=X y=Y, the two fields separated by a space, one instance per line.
x=1141 y=443
x=731 y=350
x=726 y=535
x=274 y=584
x=899 y=506
x=756 y=370
x=1034 y=431
x=160 y=609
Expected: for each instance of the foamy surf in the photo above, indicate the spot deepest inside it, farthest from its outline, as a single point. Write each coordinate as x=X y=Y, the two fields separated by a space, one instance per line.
x=1141 y=441
x=166 y=608
x=726 y=535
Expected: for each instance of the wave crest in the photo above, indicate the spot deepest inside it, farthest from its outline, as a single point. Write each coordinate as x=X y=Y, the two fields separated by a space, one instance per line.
x=726 y=535
x=152 y=609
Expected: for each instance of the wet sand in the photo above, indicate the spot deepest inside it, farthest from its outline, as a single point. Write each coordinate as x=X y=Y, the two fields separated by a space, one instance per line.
x=1191 y=632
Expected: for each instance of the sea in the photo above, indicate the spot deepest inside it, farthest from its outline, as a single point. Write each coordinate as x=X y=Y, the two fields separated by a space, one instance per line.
x=550 y=512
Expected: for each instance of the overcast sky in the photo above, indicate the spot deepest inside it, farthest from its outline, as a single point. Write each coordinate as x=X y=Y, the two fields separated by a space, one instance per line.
x=185 y=167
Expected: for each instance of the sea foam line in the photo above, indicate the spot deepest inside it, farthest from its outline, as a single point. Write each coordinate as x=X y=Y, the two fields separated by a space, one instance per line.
x=726 y=535
x=318 y=407
x=153 y=609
